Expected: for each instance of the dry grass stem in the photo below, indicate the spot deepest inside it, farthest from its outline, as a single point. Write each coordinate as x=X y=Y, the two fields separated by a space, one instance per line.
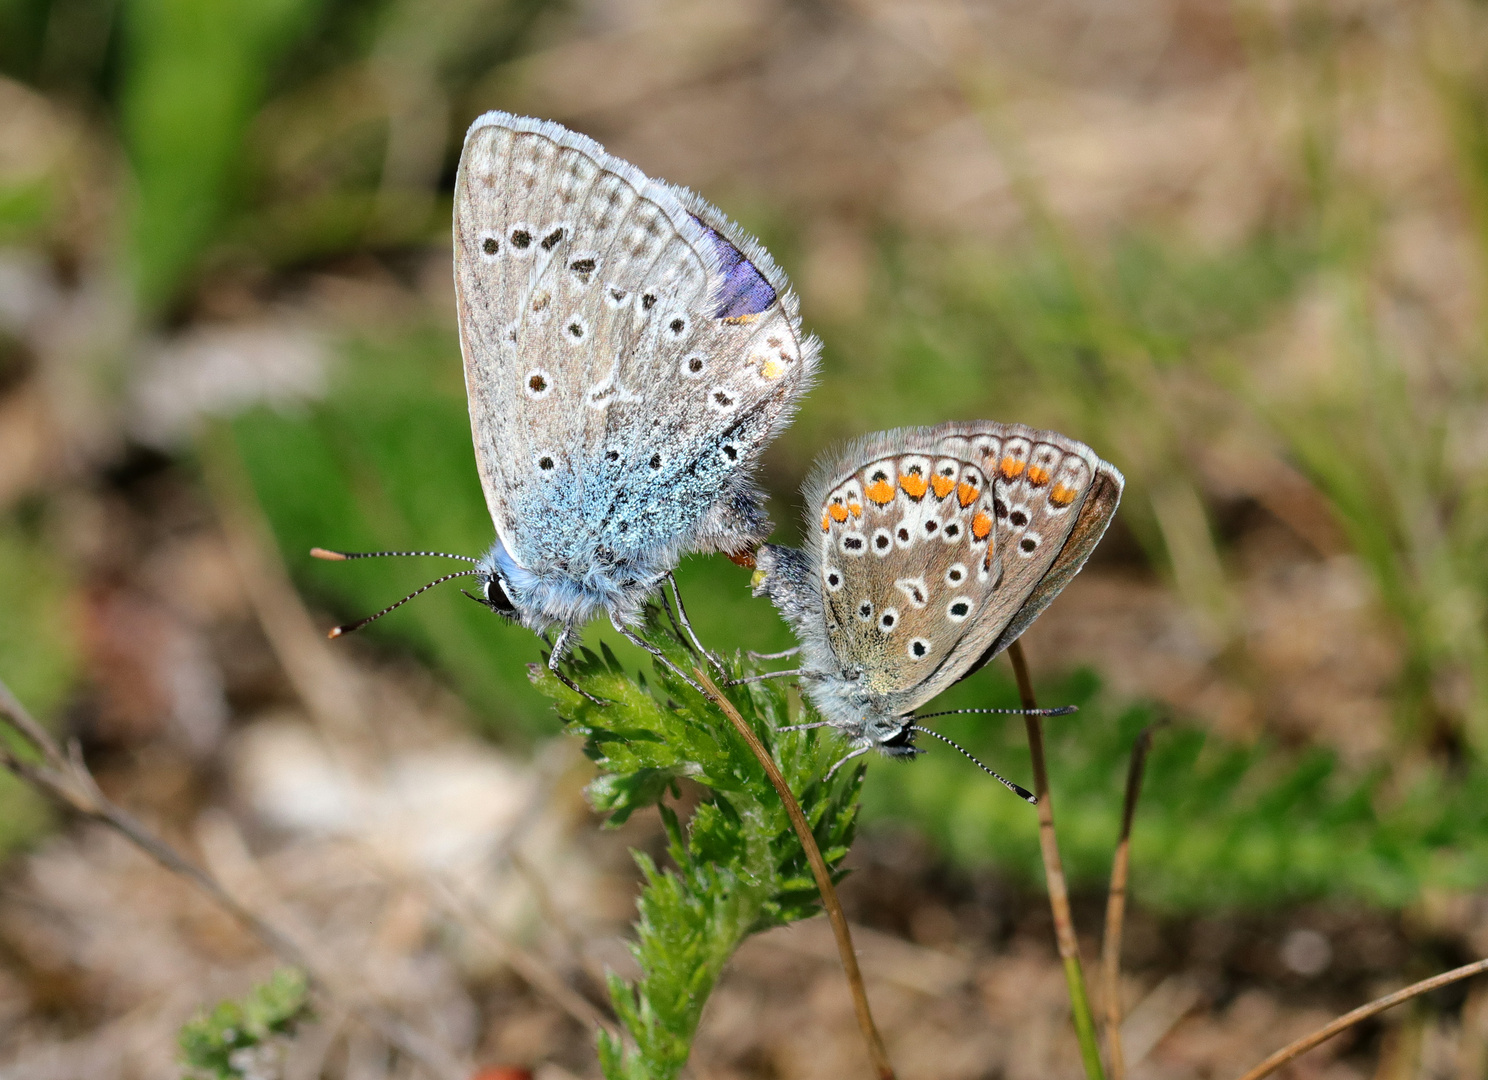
x=1363 y=1012
x=65 y=778
x=1064 y=923
x=876 y=1051
x=1116 y=909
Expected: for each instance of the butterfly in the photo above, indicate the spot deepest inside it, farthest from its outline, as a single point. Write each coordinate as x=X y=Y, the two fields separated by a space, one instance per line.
x=629 y=352
x=931 y=551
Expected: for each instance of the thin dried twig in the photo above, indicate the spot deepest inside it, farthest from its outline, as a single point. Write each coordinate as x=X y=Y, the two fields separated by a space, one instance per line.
x=1116 y=909
x=1363 y=1012
x=65 y=778
x=876 y=1051
x=1064 y=924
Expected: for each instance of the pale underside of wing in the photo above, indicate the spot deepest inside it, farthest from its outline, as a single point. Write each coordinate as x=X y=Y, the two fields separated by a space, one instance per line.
x=932 y=543
x=627 y=351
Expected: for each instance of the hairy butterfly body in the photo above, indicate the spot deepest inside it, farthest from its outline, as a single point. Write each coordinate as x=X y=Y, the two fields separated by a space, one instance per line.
x=628 y=354
x=931 y=550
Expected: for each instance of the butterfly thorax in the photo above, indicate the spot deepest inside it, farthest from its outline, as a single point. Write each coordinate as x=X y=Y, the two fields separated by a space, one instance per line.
x=569 y=591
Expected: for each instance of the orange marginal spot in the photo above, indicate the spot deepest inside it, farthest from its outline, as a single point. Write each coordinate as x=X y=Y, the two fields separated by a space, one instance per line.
x=772 y=369
x=1010 y=468
x=942 y=485
x=855 y=509
x=981 y=526
x=1037 y=476
x=1062 y=496
x=826 y=522
x=741 y=320
x=744 y=558
x=967 y=493
x=880 y=492
x=838 y=512
x=913 y=484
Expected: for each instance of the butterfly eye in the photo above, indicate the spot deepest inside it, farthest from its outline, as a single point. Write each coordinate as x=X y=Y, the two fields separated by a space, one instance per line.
x=494 y=589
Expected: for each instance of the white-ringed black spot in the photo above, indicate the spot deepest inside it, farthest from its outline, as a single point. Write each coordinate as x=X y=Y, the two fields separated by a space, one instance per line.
x=489 y=246
x=999 y=508
x=721 y=400
x=582 y=266
x=865 y=610
x=1028 y=543
x=655 y=461
x=955 y=575
x=676 y=326
x=952 y=530
x=931 y=526
x=958 y=609
x=538 y=383
x=903 y=534
x=693 y=365
x=882 y=541
x=612 y=455
x=888 y=620
x=648 y=301
x=521 y=239
x=545 y=463
x=834 y=580
x=1017 y=519
x=730 y=452
x=853 y=543
x=576 y=330
x=918 y=648
x=552 y=240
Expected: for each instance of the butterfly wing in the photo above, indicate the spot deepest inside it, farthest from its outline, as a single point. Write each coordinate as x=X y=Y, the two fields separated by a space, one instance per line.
x=628 y=353
x=938 y=546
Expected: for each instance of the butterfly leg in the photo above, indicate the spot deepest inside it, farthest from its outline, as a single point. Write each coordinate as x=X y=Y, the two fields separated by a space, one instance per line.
x=687 y=625
x=859 y=752
x=641 y=643
x=555 y=657
x=782 y=655
x=806 y=727
x=766 y=675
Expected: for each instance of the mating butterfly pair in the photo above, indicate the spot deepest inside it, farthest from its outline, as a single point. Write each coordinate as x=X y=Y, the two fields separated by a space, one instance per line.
x=629 y=352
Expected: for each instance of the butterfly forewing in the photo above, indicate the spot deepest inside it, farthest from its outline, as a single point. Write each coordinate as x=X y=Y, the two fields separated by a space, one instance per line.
x=627 y=351
x=938 y=546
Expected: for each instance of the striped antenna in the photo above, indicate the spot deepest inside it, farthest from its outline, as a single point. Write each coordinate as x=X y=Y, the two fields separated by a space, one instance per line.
x=349 y=627
x=1058 y=710
x=1022 y=793
x=341 y=556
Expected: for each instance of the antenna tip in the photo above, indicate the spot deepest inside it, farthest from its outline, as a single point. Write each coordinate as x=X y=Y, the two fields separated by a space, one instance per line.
x=322 y=553
x=337 y=631
x=1029 y=797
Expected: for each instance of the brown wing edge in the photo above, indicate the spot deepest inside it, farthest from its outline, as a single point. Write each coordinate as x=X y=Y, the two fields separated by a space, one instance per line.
x=1096 y=513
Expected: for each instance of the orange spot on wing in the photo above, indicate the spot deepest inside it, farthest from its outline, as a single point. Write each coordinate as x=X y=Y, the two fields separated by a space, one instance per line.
x=967 y=493
x=1062 y=496
x=855 y=509
x=1037 y=476
x=942 y=485
x=880 y=492
x=826 y=522
x=1010 y=468
x=838 y=512
x=913 y=484
x=981 y=526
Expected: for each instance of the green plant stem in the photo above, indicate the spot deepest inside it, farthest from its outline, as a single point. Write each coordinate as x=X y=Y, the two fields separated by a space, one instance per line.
x=876 y=1051
x=1363 y=1012
x=1064 y=924
x=1116 y=909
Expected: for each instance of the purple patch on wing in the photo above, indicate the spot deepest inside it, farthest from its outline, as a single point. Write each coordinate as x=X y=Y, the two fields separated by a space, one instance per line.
x=745 y=290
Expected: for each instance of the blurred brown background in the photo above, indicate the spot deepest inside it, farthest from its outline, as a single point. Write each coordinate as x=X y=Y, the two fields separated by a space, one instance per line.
x=1237 y=247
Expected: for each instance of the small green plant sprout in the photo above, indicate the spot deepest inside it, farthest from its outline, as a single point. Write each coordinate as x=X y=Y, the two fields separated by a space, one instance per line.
x=737 y=866
x=246 y=1039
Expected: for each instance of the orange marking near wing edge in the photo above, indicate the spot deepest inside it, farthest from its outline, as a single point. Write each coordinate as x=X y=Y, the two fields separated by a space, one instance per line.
x=1010 y=468
x=967 y=493
x=1037 y=476
x=855 y=509
x=880 y=492
x=826 y=522
x=942 y=485
x=913 y=484
x=1062 y=496
x=981 y=526
x=838 y=512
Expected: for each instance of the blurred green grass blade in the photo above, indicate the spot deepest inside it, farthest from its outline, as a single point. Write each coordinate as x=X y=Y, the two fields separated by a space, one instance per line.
x=194 y=72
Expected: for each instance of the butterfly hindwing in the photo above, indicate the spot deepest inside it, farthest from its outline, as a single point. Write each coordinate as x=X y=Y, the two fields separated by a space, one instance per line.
x=628 y=352
x=936 y=546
